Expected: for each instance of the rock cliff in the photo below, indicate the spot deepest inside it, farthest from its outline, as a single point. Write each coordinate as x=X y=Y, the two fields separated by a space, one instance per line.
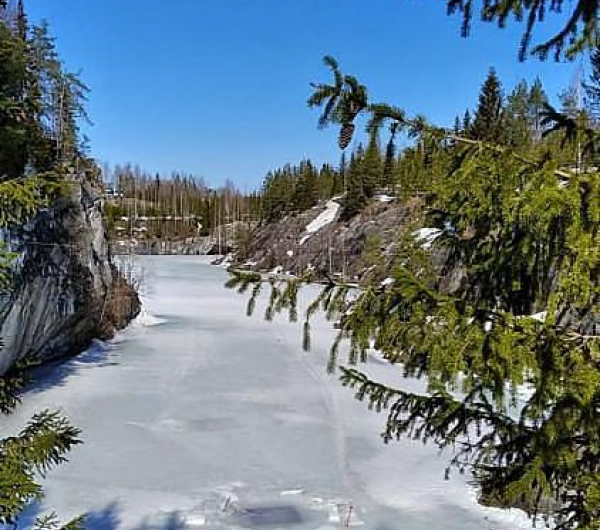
x=67 y=291
x=318 y=240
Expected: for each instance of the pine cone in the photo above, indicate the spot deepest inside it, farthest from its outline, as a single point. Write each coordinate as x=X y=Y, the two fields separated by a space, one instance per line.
x=346 y=134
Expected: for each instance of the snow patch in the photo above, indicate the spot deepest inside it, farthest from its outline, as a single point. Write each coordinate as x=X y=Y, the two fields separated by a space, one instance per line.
x=194 y=520
x=145 y=319
x=386 y=282
x=343 y=513
x=426 y=236
x=304 y=239
x=384 y=197
x=340 y=459
x=326 y=217
x=285 y=493
x=540 y=317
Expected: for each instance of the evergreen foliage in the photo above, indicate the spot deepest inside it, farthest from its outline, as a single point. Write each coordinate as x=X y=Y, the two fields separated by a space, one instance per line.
x=389 y=161
x=517 y=124
x=488 y=123
x=523 y=115
x=592 y=86
x=579 y=33
x=538 y=100
x=510 y=351
x=341 y=102
x=467 y=123
x=516 y=117
x=13 y=129
x=355 y=197
x=294 y=189
x=39 y=447
x=372 y=167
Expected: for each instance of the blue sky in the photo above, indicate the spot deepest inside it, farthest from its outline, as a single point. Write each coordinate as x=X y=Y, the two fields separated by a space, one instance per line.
x=218 y=87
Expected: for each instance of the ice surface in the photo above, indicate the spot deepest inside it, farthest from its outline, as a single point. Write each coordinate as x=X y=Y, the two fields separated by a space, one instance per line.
x=216 y=420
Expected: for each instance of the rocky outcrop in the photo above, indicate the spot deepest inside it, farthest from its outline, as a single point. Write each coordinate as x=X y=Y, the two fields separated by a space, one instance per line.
x=67 y=290
x=335 y=247
x=193 y=246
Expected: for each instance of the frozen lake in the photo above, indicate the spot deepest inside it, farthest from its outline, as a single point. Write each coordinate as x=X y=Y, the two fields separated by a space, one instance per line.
x=208 y=418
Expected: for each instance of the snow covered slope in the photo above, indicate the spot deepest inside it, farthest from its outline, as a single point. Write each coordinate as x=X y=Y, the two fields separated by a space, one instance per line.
x=211 y=420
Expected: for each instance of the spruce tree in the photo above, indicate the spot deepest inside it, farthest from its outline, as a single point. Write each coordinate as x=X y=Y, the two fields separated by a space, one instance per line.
x=305 y=187
x=467 y=123
x=13 y=127
x=488 y=122
x=457 y=125
x=372 y=167
x=21 y=22
x=389 y=164
x=592 y=86
x=355 y=198
x=537 y=103
x=341 y=101
x=342 y=173
x=516 y=117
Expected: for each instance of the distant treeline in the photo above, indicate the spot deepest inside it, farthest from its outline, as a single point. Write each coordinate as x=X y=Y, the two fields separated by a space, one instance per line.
x=176 y=206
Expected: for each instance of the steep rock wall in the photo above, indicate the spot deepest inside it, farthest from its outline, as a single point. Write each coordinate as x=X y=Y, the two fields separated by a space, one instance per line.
x=67 y=290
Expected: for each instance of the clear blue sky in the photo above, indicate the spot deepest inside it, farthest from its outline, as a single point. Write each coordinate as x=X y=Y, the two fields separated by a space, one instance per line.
x=218 y=87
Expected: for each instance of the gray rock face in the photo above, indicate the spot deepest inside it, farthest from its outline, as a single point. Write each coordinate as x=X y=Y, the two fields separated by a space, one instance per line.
x=67 y=290
x=335 y=248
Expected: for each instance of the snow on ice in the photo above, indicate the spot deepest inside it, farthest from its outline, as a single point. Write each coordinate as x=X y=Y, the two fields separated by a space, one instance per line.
x=216 y=420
